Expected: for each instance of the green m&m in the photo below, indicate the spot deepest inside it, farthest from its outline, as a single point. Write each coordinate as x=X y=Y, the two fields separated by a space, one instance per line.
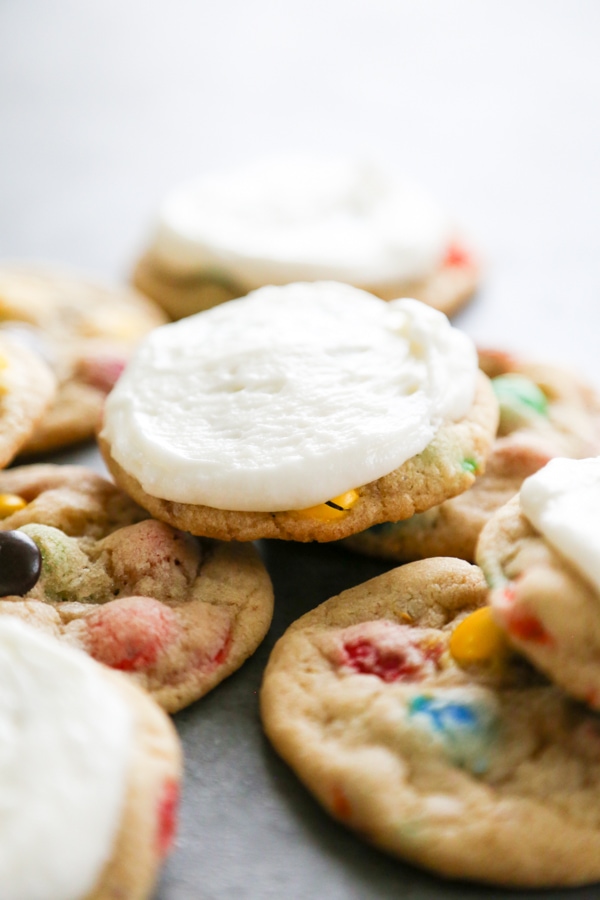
x=520 y=399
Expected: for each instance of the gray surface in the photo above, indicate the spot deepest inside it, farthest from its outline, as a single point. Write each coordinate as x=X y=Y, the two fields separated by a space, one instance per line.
x=494 y=106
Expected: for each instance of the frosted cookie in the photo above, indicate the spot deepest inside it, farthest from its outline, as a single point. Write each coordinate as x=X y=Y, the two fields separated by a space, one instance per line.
x=301 y=219
x=82 y=562
x=89 y=775
x=397 y=706
x=545 y=411
x=541 y=556
x=84 y=331
x=27 y=389
x=304 y=412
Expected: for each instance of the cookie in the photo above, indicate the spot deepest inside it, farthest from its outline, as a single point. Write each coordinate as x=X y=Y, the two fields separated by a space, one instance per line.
x=300 y=219
x=397 y=707
x=540 y=556
x=304 y=412
x=27 y=389
x=84 y=331
x=89 y=775
x=85 y=564
x=545 y=411
x=544 y=406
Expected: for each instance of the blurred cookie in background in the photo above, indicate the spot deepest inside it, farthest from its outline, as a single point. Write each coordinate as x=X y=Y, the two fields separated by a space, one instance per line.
x=27 y=390
x=85 y=332
x=290 y=219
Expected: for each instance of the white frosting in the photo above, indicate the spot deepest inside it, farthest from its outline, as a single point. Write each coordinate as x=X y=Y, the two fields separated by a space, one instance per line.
x=65 y=738
x=287 y=397
x=302 y=219
x=562 y=501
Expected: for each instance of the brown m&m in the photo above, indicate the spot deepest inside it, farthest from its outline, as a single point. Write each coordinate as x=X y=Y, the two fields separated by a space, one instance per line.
x=20 y=563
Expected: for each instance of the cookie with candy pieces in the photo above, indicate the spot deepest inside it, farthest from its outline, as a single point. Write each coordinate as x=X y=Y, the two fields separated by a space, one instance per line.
x=304 y=412
x=84 y=332
x=400 y=708
x=540 y=555
x=283 y=220
x=545 y=411
x=89 y=775
x=82 y=562
x=27 y=390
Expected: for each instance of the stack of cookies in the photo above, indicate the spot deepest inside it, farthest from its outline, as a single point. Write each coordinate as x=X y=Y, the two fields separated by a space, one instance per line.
x=449 y=724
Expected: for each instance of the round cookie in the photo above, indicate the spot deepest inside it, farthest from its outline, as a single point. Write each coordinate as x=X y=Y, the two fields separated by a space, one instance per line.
x=545 y=411
x=305 y=412
x=84 y=331
x=482 y=772
x=27 y=389
x=544 y=406
x=540 y=561
x=175 y=613
x=94 y=815
x=301 y=219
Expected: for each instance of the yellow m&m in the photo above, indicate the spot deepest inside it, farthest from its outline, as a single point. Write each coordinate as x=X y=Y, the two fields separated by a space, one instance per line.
x=478 y=640
x=9 y=504
x=332 y=509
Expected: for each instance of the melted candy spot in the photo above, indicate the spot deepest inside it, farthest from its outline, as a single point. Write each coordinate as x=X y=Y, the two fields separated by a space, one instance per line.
x=509 y=594
x=167 y=817
x=457 y=257
x=401 y=660
x=340 y=804
x=525 y=627
x=206 y=659
x=465 y=726
x=101 y=372
x=129 y=634
x=20 y=563
x=470 y=465
x=223 y=651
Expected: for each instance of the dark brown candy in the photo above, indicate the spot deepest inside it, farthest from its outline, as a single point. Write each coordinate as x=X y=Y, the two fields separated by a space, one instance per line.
x=20 y=563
